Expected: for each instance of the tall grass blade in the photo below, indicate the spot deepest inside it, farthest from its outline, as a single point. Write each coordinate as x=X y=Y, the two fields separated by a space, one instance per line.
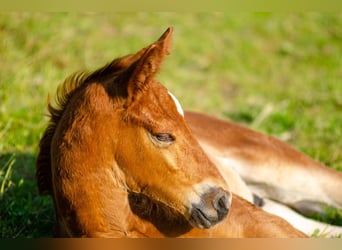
x=7 y=170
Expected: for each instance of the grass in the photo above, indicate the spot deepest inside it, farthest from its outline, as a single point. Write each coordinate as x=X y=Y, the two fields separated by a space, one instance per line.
x=5 y=181
x=277 y=73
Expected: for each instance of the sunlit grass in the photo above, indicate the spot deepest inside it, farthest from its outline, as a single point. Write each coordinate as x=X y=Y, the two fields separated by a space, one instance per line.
x=5 y=175
x=277 y=73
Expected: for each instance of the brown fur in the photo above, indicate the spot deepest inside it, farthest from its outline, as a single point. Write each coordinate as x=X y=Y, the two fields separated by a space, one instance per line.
x=110 y=177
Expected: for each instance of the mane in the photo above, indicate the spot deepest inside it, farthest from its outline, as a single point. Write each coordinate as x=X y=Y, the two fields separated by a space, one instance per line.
x=64 y=93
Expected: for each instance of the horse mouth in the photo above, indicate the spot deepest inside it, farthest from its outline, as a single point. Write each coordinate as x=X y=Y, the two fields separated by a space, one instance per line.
x=213 y=207
x=199 y=219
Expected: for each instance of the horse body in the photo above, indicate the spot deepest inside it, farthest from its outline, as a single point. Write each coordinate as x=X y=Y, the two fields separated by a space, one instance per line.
x=277 y=168
x=120 y=161
x=262 y=165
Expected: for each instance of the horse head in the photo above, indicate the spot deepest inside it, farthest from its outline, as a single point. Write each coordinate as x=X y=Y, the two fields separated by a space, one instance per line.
x=121 y=128
x=157 y=152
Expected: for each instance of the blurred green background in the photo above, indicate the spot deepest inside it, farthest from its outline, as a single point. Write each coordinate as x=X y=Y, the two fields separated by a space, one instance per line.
x=277 y=73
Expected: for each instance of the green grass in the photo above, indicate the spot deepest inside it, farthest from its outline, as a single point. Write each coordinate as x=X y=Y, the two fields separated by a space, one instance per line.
x=277 y=73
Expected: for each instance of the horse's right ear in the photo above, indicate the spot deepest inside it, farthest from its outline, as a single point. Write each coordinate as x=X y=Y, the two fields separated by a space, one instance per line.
x=142 y=72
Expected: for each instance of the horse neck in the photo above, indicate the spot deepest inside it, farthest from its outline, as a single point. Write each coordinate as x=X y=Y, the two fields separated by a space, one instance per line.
x=86 y=175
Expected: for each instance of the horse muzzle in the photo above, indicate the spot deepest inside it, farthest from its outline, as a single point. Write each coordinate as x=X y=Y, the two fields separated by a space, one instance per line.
x=212 y=208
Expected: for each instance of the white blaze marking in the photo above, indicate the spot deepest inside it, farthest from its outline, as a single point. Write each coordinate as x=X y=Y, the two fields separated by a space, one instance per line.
x=179 y=107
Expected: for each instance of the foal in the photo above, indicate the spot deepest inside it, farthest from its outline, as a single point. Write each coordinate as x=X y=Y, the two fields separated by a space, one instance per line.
x=120 y=161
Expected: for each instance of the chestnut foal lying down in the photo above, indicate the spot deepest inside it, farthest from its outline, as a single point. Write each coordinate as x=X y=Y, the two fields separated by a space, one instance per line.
x=119 y=160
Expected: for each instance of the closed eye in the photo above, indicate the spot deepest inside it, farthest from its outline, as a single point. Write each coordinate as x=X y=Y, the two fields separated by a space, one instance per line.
x=161 y=139
x=164 y=138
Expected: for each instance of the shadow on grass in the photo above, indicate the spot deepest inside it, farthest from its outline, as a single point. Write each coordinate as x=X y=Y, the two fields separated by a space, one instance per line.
x=23 y=213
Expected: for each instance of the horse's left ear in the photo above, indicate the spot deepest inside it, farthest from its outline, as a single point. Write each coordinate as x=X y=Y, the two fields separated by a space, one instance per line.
x=142 y=72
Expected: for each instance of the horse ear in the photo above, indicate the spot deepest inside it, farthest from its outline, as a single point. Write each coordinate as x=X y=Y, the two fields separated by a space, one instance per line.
x=142 y=72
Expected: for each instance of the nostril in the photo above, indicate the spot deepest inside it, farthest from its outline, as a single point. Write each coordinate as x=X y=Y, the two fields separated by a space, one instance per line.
x=221 y=204
x=212 y=208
